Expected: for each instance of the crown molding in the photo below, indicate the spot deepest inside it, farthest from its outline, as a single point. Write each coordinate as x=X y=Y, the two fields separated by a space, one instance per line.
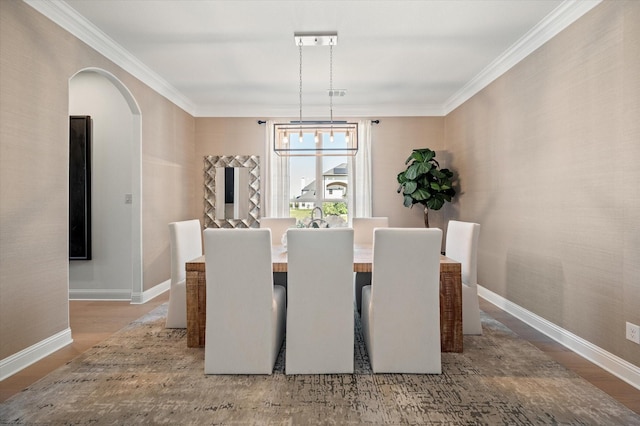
x=560 y=18
x=70 y=20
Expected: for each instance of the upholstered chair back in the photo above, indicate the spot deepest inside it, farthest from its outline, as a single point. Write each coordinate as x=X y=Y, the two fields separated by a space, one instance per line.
x=320 y=319
x=245 y=313
x=401 y=307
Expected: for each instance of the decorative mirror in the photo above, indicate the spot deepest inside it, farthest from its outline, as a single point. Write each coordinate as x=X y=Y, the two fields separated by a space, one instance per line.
x=231 y=191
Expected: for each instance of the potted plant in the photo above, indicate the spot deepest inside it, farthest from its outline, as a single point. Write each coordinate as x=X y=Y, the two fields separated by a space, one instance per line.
x=425 y=183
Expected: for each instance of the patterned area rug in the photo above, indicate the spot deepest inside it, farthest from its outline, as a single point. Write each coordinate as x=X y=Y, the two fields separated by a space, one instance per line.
x=146 y=374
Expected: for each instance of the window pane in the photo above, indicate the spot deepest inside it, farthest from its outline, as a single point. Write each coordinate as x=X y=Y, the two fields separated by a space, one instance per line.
x=302 y=177
x=335 y=178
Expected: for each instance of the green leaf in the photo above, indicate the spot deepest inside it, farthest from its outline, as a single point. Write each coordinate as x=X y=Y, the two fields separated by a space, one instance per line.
x=410 y=187
x=402 y=178
x=420 y=194
x=435 y=203
x=408 y=201
x=412 y=171
x=417 y=155
x=435 y=186
x=438 y=173
x=428 y=154
x=424 y=168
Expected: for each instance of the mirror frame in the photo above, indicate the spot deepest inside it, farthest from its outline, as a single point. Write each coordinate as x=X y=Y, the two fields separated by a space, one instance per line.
x=211 y=163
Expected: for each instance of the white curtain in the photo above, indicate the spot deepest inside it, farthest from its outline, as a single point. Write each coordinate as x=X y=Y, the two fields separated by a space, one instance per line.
x=275 y=179
x=360 y=176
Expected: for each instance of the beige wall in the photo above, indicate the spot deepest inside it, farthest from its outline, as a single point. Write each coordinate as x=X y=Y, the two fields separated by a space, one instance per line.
x=37 y=59
x=548 y=157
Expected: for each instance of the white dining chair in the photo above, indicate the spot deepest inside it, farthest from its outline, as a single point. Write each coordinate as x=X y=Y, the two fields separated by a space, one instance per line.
x=245 y=312
x=363 y=235
x=320 y=322
x=401 y=308
x=185 y=240
x=278 y=226
x=462 y=245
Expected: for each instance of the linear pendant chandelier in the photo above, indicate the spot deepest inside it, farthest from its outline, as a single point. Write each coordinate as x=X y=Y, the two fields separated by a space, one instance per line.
x=318 y=137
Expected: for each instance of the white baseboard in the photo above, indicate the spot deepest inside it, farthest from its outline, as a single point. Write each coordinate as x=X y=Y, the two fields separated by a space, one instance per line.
x=100 y=294
x=20 y=360
x=145 y=296
x=120 y=294
x=615 y=365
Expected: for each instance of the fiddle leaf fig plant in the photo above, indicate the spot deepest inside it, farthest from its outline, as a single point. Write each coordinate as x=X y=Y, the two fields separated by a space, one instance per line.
x=423 y=182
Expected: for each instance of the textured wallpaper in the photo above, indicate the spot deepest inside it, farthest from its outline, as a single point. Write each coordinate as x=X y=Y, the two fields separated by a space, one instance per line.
x=547 y=156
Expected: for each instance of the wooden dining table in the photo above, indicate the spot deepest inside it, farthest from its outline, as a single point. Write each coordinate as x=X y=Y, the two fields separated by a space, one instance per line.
x=450 y=295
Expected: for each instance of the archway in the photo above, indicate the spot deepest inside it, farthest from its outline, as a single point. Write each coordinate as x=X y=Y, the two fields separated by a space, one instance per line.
x=115 y=272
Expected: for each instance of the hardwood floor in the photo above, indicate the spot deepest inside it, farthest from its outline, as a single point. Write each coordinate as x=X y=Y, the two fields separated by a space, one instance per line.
x=605 y=381
x=92 y=322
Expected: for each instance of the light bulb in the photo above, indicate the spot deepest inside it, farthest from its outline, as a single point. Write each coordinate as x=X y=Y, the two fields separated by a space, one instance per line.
x=346 y=137
x=331 y=136
x=285 y=138
x=316 y=137
x=300 y=136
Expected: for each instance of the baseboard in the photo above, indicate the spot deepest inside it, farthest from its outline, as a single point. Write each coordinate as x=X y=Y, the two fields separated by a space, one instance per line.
x=20 y=360
x=100 y=294
x=120 y=294
x=615 y=365
x=155 y=291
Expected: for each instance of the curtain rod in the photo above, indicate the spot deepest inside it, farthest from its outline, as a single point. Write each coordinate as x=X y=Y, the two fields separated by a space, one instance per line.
x=316 y=122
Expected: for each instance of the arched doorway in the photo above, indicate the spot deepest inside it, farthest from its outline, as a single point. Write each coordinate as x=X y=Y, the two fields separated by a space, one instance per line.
x=115 y=271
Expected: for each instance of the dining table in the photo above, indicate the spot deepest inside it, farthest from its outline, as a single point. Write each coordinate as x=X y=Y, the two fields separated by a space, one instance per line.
x=450 y=295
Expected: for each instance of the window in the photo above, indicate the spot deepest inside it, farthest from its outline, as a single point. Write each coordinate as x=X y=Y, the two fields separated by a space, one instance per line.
x=290 y=181
x=318 y=181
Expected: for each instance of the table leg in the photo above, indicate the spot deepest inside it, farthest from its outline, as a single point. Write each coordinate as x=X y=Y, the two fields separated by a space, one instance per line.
x=450 y=311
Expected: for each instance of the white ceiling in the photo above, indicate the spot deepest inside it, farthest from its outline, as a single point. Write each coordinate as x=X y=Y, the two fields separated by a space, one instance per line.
x=239 y=58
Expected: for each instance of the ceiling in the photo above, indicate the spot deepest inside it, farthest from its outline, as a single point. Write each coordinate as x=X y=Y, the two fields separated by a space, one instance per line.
x=239 y=58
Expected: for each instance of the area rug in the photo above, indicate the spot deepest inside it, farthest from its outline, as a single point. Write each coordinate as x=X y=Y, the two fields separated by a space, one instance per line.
x=145 y=374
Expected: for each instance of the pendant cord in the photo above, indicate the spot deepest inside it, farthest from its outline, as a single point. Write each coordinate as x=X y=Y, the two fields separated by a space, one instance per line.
x=300 y=53
x=331 y=79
